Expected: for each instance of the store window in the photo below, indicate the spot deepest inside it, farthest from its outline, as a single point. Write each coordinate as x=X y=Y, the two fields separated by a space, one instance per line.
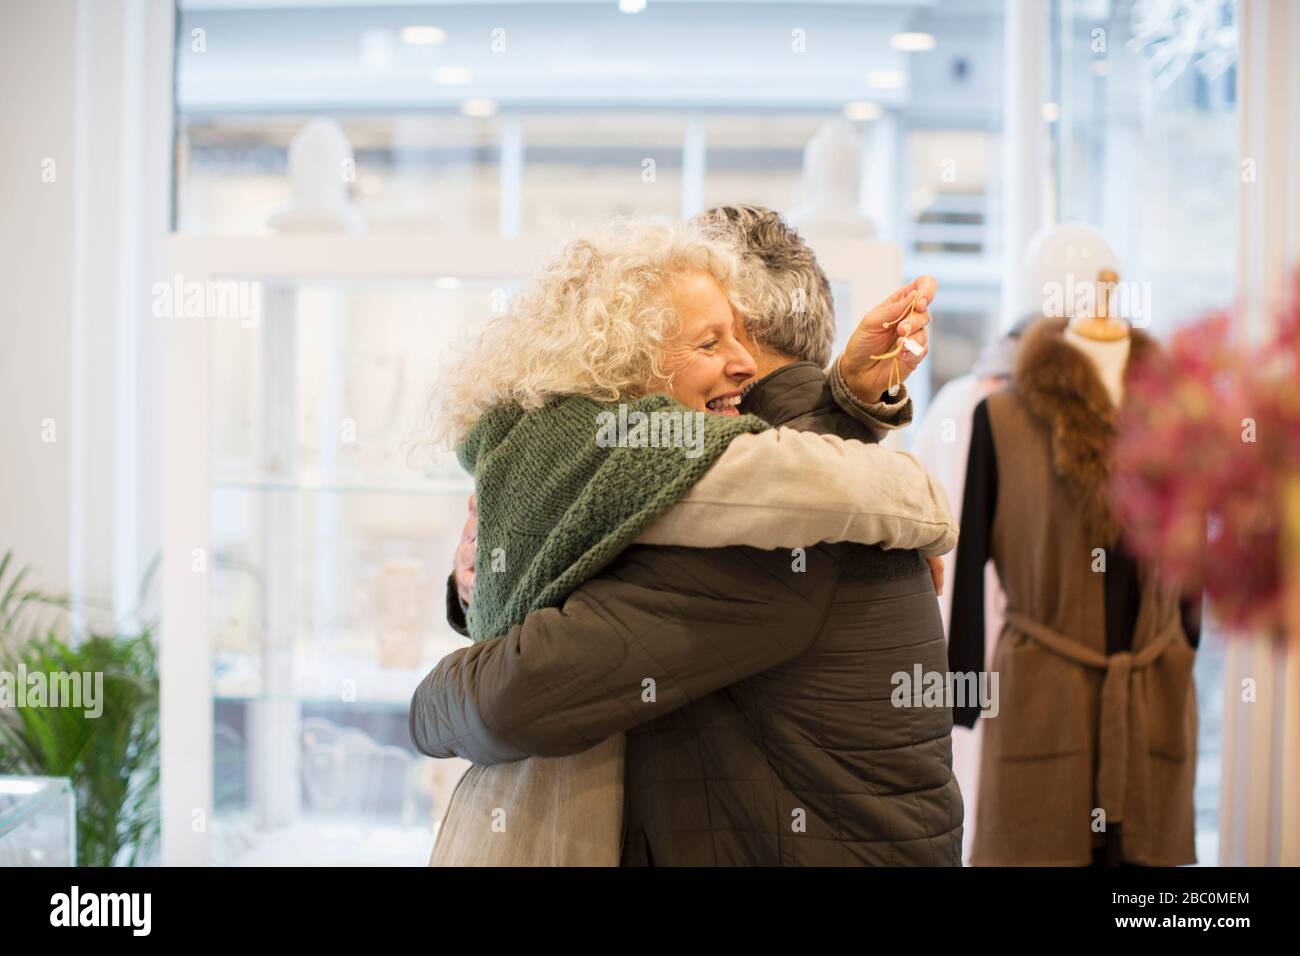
x=1146 y=144
x=756 y=158
x=414 y=173
x=1145 y=133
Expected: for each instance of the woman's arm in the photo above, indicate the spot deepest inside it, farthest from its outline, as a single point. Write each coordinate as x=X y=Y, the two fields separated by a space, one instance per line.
x=787 y=489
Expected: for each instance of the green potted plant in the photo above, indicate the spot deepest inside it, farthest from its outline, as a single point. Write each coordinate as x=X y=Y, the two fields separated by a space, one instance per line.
x=111 y=754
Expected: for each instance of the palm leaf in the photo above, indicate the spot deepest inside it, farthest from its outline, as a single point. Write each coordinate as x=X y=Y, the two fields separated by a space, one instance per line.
x=112 y=759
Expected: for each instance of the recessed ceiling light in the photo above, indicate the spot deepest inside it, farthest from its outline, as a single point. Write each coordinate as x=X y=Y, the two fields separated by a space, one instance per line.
x=863 y=110
x=631 y=6
x=423 y=35
x=453 y=76
x=479 y=107
x=912 y=42
x=1051 y=112
x=886 y=79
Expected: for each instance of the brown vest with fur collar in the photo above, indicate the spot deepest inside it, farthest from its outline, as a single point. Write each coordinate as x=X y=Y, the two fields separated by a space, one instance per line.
x=1081 y=740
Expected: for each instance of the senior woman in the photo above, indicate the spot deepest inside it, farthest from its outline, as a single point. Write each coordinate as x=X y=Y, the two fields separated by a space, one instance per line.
x=638 y=326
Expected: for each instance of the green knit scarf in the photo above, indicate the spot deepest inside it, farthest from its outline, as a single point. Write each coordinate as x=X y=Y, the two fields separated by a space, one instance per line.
x=563 y=489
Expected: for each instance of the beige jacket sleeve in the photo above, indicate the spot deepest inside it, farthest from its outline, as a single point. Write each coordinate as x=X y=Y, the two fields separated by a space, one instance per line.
x=784 y=488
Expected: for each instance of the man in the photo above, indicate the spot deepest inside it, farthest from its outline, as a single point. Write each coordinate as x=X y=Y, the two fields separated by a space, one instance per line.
x=765 y=738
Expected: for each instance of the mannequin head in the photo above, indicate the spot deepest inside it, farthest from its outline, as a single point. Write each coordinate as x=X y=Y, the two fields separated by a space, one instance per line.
x=1062 y=265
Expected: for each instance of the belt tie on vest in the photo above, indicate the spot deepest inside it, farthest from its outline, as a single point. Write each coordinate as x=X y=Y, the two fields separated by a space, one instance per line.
x=1112 y=744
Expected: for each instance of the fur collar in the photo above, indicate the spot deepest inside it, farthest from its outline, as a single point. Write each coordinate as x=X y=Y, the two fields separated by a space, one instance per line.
x=1061 y=387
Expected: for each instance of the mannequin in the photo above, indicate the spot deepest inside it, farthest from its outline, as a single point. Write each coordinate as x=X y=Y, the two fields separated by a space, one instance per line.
x=1053 y=256
x=1091 y=756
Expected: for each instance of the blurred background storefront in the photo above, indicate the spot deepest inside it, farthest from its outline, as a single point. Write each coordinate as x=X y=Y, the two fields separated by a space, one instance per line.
x=323 y=540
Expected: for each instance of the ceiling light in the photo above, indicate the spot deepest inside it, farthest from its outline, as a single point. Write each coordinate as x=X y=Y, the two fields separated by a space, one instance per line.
x=912 y=42
x=447 y=283
x=423 y=35
x=631 y=6
x=886 y=79
x=862 y=110
x=1051 y=112
x=479 y=107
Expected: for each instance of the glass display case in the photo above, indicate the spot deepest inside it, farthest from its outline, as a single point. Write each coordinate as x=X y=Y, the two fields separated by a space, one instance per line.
x=309 y=531
x=332 y=526
x=38 y=821
x=309 y=527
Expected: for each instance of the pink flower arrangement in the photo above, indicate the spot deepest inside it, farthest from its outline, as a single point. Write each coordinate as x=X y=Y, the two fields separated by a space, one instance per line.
x=1208 y=448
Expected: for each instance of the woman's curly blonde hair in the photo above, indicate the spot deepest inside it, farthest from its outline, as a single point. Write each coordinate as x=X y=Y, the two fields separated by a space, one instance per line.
x=593 y=323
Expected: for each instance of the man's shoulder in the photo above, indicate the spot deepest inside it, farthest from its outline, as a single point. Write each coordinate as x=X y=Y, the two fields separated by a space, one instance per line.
x=799 y=396
x=735 y=572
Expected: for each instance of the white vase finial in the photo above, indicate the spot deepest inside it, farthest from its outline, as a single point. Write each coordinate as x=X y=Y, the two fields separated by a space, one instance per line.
x=321 y=166
x=832 y=173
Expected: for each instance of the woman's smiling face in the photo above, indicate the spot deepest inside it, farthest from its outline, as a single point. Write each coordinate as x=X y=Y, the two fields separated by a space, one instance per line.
x=707 y=362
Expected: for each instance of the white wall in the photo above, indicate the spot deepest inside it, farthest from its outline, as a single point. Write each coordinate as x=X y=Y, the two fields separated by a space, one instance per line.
x=38 y=72
x=1260 y=810
x=88 y=89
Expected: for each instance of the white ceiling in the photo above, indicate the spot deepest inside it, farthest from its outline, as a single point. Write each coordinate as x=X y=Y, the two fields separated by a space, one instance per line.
x=261 y=56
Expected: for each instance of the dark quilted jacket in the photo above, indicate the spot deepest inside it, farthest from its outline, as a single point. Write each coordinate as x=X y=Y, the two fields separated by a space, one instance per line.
x=771 y=739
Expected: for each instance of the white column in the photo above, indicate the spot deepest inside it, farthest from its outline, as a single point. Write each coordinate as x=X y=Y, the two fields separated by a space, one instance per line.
x=1260 y=816
x=185 y=665
x=694 y=149
x=512 y=177
x=274 y=716
x=1025 y=43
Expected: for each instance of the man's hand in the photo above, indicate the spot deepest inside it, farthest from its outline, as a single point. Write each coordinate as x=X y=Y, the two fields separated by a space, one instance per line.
x=868 y=378
x=936 y=572
x=465 y=551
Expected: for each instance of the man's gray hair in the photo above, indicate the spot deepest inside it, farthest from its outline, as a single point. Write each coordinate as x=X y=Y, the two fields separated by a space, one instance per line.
x=785 y=293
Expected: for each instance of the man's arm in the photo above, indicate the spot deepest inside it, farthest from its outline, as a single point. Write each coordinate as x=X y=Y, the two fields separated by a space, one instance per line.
x=659 y=628
x=859 y=382
x=882 y=415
